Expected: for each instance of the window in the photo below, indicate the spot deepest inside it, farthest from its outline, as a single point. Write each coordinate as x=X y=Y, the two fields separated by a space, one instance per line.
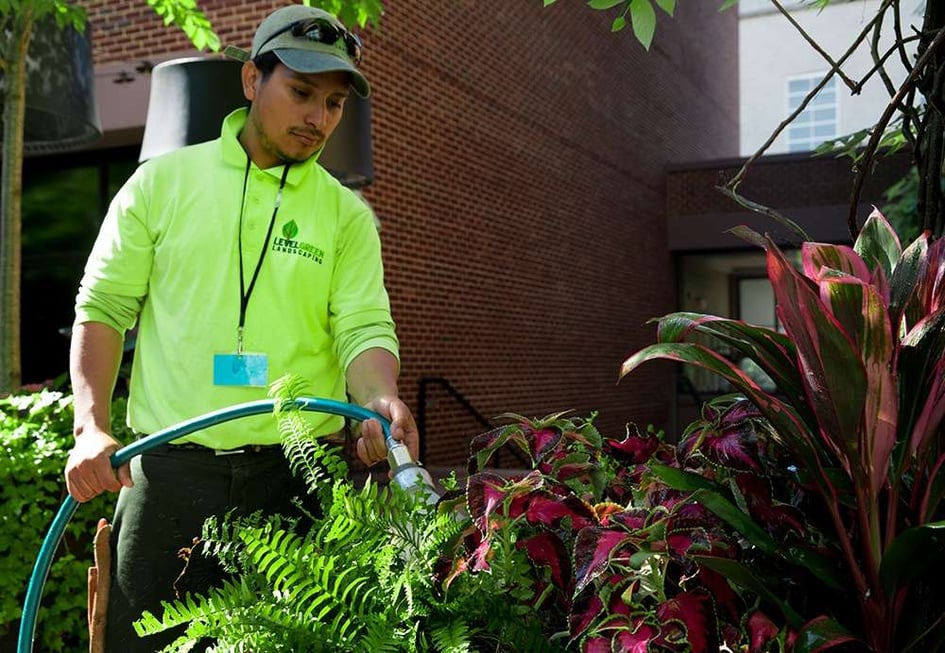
x=755 y=301
x=818 y=121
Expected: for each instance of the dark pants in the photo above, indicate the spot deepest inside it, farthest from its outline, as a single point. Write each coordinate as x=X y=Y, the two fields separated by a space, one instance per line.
x=174 y=491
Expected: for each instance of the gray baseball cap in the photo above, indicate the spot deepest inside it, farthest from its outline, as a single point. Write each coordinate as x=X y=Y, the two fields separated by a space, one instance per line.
x=310 y=40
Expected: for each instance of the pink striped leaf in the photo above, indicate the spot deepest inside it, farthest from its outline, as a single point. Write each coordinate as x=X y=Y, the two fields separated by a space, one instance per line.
x=906 y=298
x=877 y=244
x=922 y=380
x=834 y=375
x=773 y=352
x=910 y=286
x=863 y=313
x=815 y=257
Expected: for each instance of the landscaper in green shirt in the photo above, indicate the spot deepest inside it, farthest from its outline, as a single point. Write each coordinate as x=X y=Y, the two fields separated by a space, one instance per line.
x=240 y=260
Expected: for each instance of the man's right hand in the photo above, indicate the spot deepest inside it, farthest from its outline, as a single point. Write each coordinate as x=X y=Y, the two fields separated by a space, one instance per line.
x=89 y=470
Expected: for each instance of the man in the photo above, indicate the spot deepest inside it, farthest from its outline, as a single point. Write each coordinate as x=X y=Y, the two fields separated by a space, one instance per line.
x=241 y=260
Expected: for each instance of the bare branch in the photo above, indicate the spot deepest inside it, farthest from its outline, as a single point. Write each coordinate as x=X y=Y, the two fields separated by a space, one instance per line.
x=880 y=128
x=739 y=176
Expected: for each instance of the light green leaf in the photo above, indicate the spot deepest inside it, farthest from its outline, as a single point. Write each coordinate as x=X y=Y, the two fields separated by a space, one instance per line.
x=643 y=18
x=728 y=4
x=604 y=4
x=549 y=2
x=669 y=6
x=619 y=23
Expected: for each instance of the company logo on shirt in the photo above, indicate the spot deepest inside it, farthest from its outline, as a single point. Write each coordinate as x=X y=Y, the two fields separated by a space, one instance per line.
x=288 y=244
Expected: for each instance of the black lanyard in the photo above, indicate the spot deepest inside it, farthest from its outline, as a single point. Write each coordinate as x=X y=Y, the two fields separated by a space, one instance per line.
x=244 y=291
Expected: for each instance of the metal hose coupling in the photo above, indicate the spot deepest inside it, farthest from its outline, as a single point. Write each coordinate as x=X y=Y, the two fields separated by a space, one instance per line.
x=409 y=474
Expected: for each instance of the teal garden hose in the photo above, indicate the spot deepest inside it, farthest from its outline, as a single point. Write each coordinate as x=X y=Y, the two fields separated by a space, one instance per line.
x=405 y=473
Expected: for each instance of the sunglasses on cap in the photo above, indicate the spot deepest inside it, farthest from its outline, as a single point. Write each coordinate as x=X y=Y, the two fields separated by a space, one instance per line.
x=322 y=31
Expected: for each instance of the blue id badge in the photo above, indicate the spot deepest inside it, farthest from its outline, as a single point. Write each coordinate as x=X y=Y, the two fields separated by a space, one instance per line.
x=241 y=369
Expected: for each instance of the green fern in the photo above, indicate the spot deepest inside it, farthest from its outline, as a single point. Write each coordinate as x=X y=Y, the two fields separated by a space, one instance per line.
x=316 y=463
x=356 y=577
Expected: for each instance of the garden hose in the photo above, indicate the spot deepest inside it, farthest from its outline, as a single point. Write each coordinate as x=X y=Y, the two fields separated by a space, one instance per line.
x=405 y=472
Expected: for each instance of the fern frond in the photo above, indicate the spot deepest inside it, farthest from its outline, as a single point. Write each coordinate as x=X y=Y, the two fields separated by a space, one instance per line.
x=310 y=458
x=325 y=587
x=451 y=637
x=219 y=600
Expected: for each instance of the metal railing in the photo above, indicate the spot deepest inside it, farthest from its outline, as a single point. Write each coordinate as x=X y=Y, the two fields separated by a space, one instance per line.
x=422 y=399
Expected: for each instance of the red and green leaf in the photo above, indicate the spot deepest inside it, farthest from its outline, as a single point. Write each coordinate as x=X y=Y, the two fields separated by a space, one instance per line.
x=773 y=352
x=863 y=312
x=693 y=613
x=594 y=549
x=546 y=549
x=549 y=510
x=834 y=375
x=820 y=634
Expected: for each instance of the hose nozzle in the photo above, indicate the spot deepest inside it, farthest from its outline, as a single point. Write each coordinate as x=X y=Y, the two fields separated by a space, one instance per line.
x=409 y=474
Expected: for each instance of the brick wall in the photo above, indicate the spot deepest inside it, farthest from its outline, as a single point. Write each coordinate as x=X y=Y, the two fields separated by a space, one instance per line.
x=519 y=157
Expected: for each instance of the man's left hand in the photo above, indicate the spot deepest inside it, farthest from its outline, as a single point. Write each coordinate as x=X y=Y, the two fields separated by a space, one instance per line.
x=371 y=447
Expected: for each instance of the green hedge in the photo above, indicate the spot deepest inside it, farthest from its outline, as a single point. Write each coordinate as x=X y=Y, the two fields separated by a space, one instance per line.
x=35 y=437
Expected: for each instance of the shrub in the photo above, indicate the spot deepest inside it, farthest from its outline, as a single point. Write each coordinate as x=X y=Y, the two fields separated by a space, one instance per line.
x=35 y=437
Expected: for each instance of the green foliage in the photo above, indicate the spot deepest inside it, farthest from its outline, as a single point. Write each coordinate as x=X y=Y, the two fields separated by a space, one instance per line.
x=356 y=577
x=35 y=436
x=352 y=12
x=642 y=15
x=901 y=205
x=65 y=13
x=185 y=15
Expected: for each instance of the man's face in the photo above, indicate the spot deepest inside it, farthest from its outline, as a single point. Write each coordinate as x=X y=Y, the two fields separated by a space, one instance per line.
x=292 y=114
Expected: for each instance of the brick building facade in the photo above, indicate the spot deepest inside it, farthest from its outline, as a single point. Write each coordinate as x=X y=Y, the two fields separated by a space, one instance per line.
x=520 y=156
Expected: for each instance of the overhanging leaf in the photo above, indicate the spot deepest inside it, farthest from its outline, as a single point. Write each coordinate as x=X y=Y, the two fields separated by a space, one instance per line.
x=816 y=256
x=773 y=352
x=782 y=416
x=643 y=18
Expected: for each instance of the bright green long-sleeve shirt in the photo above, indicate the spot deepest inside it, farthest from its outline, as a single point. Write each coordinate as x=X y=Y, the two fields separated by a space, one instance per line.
x=166 y=257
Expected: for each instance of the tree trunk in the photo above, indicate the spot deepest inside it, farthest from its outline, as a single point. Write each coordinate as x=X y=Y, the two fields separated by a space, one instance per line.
x=930 y=154
x=11 y=183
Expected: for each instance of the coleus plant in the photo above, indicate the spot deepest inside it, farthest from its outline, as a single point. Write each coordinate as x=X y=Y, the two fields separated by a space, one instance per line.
x=802 y=519
x=859 y=371
x=609 y=553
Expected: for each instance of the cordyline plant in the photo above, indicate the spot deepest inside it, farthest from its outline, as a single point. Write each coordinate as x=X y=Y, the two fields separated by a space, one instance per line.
x=860 y=377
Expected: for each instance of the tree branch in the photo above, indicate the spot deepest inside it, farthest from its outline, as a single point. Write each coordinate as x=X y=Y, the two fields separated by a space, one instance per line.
x=880 y=128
